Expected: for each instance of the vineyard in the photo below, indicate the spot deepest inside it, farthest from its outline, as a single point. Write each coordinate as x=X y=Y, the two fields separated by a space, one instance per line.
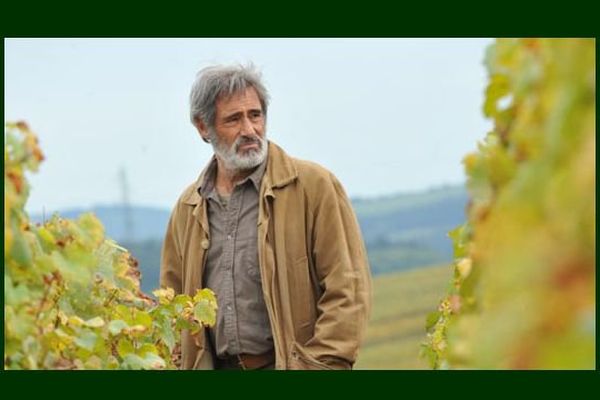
x=523 y=293
x=72 y=297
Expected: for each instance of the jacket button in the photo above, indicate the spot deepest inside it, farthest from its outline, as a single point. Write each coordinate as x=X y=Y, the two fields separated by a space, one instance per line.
x=205 y=243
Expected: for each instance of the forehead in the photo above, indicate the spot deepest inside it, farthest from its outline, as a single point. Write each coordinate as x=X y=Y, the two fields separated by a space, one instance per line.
x=238 y=101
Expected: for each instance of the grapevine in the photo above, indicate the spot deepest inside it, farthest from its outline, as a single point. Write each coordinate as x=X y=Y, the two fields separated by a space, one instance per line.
x=72 y=296
x=523 y=293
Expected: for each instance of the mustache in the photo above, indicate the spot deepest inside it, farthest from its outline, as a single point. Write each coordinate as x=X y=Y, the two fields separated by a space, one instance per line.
x=242 y=140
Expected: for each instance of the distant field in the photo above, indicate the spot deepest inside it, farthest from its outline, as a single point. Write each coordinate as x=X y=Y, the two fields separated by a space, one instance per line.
x=401 y=302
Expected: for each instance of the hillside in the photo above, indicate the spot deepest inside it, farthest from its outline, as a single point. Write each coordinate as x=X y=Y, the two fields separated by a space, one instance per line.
x=409 y=230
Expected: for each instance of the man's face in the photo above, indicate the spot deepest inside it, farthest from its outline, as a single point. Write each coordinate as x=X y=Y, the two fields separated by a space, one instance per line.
x=239 y=131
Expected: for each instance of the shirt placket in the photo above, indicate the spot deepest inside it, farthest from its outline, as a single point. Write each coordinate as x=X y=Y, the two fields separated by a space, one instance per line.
x=232 y=221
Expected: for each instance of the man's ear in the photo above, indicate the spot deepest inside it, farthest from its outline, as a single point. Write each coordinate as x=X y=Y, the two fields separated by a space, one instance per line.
x=202 y=129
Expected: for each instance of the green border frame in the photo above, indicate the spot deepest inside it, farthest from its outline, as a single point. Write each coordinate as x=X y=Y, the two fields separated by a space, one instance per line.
x=319 y=19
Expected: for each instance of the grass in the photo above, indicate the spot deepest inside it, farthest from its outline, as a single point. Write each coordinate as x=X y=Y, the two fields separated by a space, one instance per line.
x=401 y=302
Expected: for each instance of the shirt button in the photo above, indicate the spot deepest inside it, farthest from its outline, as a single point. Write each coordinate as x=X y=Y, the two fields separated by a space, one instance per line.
x=205 y=244
x=228 y=237
x=228 y=308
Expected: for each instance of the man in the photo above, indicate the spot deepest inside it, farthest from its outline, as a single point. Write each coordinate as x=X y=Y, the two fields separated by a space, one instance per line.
x=274 y=237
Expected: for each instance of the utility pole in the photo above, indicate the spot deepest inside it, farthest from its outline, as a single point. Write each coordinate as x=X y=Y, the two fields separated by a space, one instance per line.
x=126 y=206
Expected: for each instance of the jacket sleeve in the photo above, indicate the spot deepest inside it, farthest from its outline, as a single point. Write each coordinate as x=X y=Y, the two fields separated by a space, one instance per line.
x=171 y=256
x=340 y=262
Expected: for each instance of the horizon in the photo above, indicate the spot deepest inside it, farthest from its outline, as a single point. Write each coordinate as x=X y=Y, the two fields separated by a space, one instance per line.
x=116 y=205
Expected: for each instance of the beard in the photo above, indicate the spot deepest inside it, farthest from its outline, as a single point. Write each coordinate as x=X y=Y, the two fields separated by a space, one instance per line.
x=230 y=156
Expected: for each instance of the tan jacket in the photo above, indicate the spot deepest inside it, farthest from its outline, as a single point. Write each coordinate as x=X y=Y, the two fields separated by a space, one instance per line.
x=313 y=263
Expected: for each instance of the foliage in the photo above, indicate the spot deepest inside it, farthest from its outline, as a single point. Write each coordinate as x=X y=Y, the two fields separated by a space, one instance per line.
x=72 y=297
x=523 y=294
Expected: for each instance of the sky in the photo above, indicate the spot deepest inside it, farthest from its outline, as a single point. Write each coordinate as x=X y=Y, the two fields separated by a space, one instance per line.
x=385 y=115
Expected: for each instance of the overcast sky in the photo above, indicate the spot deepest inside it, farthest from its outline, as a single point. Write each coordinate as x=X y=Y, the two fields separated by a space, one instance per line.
x=385 y=115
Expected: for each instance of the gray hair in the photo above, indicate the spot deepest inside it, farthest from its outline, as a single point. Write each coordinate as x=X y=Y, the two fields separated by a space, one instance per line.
x=221 y=80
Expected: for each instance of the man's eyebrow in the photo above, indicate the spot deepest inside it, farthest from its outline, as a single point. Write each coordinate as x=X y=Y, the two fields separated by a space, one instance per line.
x=239 y=113
x=233 y=115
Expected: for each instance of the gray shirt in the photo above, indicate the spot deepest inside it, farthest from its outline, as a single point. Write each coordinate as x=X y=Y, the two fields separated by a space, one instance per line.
x=232 y=269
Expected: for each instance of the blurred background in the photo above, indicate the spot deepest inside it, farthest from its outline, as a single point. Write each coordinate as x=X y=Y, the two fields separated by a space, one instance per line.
x=392 y=118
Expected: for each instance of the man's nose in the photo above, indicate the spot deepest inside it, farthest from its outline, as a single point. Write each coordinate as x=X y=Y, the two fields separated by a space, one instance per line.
x=247 y=127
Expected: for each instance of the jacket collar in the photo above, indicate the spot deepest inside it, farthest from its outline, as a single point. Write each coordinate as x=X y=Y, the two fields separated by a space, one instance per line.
x=280 y=171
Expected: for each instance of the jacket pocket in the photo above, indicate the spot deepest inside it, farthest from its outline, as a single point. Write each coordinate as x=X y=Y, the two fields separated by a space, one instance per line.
x=300 y=359
x=303 y=301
